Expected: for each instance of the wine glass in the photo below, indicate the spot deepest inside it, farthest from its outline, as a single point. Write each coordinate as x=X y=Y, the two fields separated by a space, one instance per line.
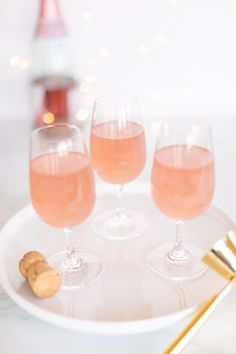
x=118 y=155
x=63 y=195
x=182 y=182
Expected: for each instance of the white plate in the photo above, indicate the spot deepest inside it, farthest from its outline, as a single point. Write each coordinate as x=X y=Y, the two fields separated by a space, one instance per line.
x=127 y=298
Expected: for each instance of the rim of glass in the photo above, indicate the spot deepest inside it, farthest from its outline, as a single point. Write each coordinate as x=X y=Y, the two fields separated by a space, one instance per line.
x=117 y=100
x=183 y=123
x=45 y=127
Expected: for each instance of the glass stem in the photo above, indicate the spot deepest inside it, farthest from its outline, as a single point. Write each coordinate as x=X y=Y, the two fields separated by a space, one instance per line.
x=177 y=253
x=120 y=210
x=71 y=259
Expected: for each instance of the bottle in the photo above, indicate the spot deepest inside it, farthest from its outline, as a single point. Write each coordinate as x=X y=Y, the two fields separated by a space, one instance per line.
x=52 y=78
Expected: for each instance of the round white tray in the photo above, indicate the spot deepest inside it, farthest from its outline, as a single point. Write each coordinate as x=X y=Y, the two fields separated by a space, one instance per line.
x=127 y=298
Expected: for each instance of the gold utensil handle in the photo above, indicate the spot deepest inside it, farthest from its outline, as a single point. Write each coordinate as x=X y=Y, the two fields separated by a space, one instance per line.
x=198 y=320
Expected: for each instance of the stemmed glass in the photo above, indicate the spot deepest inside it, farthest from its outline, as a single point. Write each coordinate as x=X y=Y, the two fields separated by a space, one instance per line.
x=182 y=181
x=63 y=195
x=118 y=154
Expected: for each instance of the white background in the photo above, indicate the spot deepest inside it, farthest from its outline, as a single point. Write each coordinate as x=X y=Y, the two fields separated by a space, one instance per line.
x=178 y=56
x=188 y=68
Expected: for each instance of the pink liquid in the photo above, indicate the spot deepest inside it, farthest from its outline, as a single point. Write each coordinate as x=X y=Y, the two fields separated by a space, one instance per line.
x=62 y=188
x=183 y=180
x=118 y=151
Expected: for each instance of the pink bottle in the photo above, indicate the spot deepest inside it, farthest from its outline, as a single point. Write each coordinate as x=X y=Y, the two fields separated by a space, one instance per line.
x=50 y=22
x=52 y=76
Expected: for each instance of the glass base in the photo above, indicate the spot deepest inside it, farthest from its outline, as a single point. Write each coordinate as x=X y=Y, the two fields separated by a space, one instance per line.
x=160 y=263
x=88 y=269
x=127 y=225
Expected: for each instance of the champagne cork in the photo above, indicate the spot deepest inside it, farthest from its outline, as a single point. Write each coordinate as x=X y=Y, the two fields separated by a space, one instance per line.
x=43 y=280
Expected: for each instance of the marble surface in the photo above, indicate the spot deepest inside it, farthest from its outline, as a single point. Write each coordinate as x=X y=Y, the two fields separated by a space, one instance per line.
x=20 y=332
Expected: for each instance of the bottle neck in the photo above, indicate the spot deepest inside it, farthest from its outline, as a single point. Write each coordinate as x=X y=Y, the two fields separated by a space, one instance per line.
x=50 y=23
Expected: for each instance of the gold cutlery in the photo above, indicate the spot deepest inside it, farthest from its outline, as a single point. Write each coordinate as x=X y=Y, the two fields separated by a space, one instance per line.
x=222 y=259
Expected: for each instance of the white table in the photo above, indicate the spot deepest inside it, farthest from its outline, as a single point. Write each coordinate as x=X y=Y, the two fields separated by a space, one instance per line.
x=22 y=333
